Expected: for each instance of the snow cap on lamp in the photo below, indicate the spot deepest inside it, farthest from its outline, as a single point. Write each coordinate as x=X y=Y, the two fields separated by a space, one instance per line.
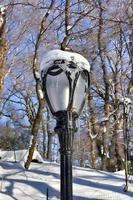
x=51 y=56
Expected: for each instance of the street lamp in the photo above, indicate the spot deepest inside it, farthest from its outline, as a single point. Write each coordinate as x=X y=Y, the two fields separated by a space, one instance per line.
x=65 y=82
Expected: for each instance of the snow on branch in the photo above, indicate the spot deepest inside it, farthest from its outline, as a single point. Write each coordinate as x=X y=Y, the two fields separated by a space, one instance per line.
x=103 y=119
x=41 y=93
x=2 y=15
x=126 y=100
x=37 y=74
x=2 y=10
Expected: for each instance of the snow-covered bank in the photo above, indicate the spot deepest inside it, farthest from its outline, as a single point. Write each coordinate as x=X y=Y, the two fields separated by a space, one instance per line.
x=18 y=184
x=19 y=156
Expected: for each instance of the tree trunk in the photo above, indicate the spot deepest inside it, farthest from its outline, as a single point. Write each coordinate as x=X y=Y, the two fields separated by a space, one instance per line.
x=92 y=153
x=102 y=52
x=49 y=136
x=92 y=131
x=130 y=85
x=38 y=118
x=49 y=145
x=3 y=49
x=36 y=125
x=44 y=138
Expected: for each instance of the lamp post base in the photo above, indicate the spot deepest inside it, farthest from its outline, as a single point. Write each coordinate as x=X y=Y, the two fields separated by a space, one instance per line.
x=66 y=177
x=65 y=129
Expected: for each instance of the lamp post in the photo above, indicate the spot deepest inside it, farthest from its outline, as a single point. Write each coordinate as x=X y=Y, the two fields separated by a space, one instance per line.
x=65 y=81
x=126 y=113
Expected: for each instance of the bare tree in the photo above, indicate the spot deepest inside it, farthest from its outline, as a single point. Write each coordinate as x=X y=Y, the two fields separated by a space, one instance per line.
x=38 y=118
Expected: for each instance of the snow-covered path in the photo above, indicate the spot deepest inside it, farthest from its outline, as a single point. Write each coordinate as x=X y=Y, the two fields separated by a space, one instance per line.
x=19 y=184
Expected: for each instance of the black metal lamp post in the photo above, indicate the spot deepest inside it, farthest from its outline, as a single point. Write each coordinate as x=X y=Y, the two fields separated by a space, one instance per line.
x=65 y=81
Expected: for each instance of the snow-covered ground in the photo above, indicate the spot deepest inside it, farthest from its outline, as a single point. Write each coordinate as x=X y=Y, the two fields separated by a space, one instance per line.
x=16 y=183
